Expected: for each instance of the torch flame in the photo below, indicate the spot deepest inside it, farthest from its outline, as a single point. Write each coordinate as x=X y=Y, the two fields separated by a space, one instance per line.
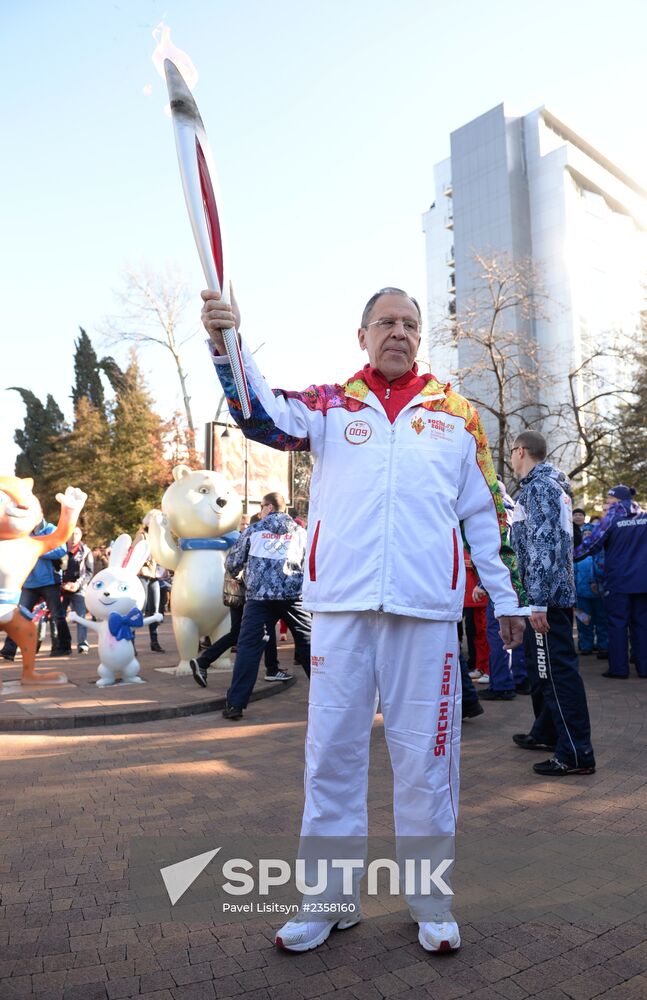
x=165 y=49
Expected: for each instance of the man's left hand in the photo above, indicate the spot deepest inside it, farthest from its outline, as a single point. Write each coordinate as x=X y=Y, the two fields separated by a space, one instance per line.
x=512 y=628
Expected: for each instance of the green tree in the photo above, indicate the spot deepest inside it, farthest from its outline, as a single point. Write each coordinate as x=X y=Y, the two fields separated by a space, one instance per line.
x=82 y=457
x=140 y=471
x=302 y=465
x=42 y=425
x=87 y=378
x=623 y=458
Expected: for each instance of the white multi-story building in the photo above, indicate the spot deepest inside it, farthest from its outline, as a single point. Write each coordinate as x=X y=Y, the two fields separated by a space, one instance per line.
x=529 y=187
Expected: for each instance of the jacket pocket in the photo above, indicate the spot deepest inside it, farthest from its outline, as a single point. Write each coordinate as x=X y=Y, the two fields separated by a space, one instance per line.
x=455 y=558
x=312 y=561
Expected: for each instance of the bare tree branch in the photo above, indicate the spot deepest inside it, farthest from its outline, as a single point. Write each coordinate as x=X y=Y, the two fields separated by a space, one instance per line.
x=153 y=307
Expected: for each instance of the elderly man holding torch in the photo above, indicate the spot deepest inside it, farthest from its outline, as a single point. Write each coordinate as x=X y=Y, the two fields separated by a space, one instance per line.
x=401 y=466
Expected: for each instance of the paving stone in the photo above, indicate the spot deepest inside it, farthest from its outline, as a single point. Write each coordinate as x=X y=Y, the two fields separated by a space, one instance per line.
x=67 y=925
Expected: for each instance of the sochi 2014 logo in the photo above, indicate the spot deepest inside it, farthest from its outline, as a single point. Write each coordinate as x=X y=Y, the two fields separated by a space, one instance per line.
x=357 y=432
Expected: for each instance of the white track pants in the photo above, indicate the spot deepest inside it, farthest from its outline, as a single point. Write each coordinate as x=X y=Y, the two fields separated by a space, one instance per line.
x=413 y=664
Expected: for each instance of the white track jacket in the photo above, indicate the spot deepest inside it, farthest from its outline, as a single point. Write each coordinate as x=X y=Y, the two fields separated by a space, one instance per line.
x=388 y=501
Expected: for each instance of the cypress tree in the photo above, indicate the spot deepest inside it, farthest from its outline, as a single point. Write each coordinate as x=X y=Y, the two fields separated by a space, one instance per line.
x=141 y=471
x=87 y=379
x=82 y=457
x=43 y=424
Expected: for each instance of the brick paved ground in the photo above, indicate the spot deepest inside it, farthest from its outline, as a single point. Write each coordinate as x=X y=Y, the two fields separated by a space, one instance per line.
x=80 y=701
x=71 y=801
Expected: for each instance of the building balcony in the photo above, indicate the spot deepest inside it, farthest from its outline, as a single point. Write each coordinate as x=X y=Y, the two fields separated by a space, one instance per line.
x=451 y=284
x=451 y=308
x=448 y=190
x=449 y=220
x=450 y=258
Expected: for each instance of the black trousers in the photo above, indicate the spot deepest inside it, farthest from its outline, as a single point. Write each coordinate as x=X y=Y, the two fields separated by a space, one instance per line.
x=259 y=616
x=152 y=605
x=61 y=637
x=558 y=695
x=225 y=642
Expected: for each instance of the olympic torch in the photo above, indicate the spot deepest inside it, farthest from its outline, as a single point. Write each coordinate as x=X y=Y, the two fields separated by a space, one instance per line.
x=202 y=197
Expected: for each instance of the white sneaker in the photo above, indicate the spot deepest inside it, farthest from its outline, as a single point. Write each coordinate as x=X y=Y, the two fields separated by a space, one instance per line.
x=441 y=935
x=475 y=674
x=280 y=675
x=301 y=935
x=484 y=679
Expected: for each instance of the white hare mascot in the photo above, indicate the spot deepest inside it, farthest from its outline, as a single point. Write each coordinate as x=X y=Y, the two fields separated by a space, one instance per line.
x=116 y=597
x=191 y=535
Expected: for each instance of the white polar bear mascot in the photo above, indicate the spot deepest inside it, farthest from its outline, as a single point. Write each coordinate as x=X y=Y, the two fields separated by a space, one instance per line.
x=191 y=536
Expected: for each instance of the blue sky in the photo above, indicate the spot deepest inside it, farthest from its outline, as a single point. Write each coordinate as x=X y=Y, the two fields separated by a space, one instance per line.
x=325 y=118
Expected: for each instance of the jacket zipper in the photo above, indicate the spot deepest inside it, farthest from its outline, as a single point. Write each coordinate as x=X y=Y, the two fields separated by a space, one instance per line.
x=312 y=560
x=455 y=570
x=388 y=516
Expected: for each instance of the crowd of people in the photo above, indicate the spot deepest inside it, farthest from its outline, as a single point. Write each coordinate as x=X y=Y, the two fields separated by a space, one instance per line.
x=57 y=585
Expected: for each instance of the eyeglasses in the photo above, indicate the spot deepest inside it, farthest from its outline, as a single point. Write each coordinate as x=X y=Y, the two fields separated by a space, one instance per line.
x=389 y=324
x=519 y=447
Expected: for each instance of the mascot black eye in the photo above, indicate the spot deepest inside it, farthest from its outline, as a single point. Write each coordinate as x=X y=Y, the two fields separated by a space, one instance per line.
x=221 y=501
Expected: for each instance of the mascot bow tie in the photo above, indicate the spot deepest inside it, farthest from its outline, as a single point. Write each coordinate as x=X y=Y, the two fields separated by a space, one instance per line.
x=121 y=626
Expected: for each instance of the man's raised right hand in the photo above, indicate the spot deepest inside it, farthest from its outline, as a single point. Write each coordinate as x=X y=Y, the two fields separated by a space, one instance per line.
x=218 y=316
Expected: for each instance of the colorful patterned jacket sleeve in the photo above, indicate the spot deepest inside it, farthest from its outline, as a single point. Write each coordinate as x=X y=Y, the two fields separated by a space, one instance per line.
x=545 y=551
x=238 y=553
x=287 y=421
x=481 y=510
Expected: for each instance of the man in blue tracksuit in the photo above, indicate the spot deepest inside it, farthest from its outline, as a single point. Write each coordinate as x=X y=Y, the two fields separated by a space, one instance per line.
x=44 y=584
x=542 y=538
x=590 y=615
x=622 y=533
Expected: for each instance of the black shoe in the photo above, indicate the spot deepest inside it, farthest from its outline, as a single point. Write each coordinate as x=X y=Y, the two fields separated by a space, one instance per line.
x=280 y=675
x=523 y=687
x=554 y=768
x=199 y=673
x=61 y=651
x=8 y=656
x=232 y=712
x=473 y=711
x=156 y=648
x=527 y=742
x=83 y=649
x=616 y=677
x=603 y=654
x=490 y=695
x=204 y=643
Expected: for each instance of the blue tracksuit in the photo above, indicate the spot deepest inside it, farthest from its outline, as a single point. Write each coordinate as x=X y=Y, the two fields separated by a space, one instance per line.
x=590 y=589
x=622 y=533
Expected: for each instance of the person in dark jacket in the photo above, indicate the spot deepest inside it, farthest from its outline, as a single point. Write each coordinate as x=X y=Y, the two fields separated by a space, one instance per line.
x=272 y=553
x=77 y=574
x=579 y=519
x=622 y=534
x=44 y=584
x=542 y=537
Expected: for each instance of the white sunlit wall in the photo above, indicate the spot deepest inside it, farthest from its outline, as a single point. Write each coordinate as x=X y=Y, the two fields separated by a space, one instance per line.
x=441 y=299
x=530 y=186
